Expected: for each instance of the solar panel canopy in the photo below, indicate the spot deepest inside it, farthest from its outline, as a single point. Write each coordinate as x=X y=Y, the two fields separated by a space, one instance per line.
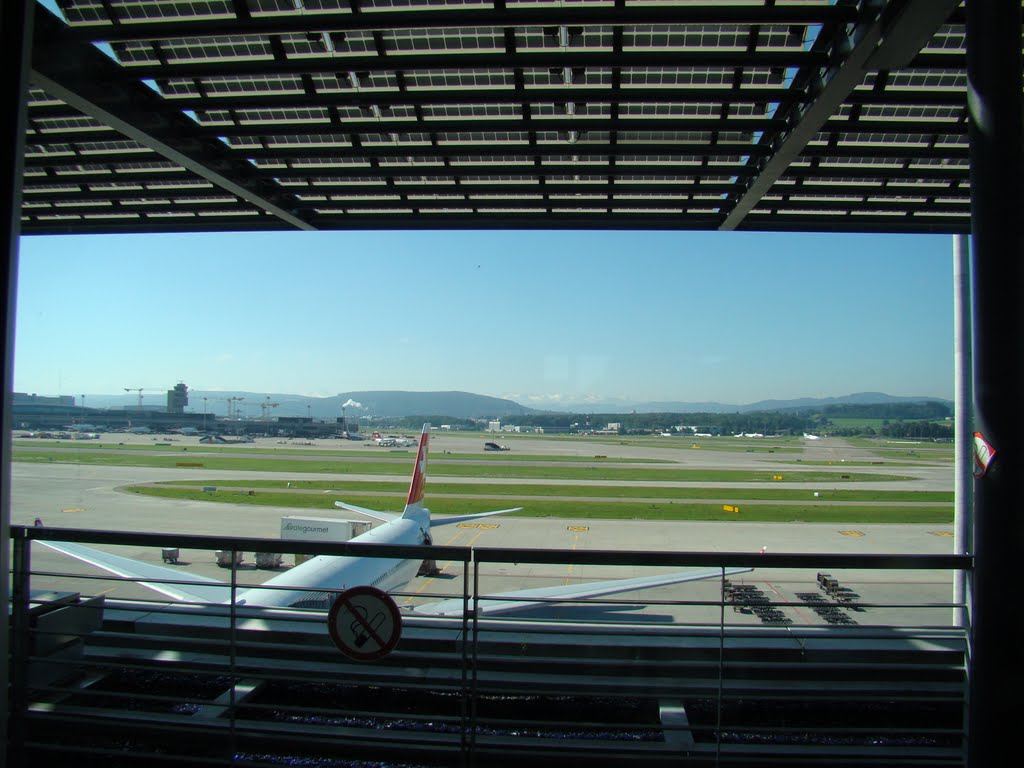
x=200 y=115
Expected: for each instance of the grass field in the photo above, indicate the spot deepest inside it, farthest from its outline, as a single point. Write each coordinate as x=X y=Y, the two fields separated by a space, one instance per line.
x=604 y=488
x=84 y=448
x=584 y=508
x=450 y=468
x=491 y=490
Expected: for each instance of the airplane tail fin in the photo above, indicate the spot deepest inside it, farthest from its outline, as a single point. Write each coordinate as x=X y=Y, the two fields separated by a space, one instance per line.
x=414 y=501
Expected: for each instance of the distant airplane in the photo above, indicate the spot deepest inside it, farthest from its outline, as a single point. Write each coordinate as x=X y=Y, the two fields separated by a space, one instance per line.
x=811 y=437
x=316 y=582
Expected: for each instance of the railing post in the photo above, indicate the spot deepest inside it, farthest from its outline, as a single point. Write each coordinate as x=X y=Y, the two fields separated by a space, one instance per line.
x=21 y=645
x=233 y=641
x=721 y=667
x=464 y=698
x=474 y=656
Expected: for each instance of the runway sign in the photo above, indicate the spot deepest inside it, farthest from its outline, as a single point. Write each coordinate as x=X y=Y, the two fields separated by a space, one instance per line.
x=364 y=623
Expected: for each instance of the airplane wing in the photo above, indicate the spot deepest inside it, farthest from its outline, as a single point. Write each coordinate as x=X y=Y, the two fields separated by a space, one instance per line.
x=529 y=598
x=449 y=519
x=385 y=517
x=199 y=589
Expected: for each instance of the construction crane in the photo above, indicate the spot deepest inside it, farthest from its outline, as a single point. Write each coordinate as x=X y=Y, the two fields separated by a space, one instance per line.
x=232 y=411
x=265 y=409
x=140 y=390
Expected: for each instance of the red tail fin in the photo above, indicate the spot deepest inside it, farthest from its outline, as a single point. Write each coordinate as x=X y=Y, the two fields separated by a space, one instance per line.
x=419 y=475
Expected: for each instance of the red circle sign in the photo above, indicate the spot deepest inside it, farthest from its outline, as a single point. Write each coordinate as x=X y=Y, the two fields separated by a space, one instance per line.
x=365 y=623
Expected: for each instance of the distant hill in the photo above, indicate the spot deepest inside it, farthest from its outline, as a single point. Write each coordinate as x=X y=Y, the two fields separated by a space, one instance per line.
x=675 y=406
x=462 y=405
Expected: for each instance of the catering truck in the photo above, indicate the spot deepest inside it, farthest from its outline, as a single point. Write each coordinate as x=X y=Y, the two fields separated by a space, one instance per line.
x=302 y=528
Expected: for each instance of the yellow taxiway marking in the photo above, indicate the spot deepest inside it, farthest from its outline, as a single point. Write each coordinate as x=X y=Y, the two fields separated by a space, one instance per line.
x=941 y=533
x=485 y=526
x=73 y=509
x=576 y=530
x=851 y=533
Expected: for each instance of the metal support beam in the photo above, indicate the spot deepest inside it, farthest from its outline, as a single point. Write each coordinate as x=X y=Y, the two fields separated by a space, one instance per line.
x=15 y=34
x=431 y=18
x=881 y=39
x=997 y=199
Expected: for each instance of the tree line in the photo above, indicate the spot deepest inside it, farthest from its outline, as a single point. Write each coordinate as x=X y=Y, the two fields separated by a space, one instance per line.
x=916 y=411
x=915 y=419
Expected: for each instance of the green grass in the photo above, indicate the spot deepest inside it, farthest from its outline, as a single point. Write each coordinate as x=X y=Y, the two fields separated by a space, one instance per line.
x=580 y=491
x=604 y=510
x=450 y=469
x=396 y=455
x=589 y=497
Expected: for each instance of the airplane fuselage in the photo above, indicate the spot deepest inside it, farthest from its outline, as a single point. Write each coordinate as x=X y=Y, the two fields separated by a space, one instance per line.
x=314 y=581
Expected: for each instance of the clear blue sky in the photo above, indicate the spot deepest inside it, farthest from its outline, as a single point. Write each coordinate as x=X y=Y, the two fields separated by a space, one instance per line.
x=539 y=317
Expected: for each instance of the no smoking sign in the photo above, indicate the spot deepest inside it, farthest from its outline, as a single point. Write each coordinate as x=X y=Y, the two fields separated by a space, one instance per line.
x=364 y=623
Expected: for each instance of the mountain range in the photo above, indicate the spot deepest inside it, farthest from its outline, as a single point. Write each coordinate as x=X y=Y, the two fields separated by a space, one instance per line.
x=464 y=405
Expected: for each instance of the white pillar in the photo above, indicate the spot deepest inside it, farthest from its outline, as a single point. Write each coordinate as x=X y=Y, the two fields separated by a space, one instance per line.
x=963 y=397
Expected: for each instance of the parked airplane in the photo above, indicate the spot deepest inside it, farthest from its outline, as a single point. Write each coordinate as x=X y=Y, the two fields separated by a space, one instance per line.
x=808 y=436
x=314 y=583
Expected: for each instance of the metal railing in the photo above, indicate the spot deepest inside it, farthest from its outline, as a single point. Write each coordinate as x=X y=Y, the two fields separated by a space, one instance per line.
x=807 y=659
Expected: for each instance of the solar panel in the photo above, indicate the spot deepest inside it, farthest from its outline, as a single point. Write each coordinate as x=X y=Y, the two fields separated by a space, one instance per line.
x=672 y=114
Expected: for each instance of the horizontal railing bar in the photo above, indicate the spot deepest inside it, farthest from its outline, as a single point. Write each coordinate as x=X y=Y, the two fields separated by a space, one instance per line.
x=725 y=559
x=239 y=543
x=240 y=585
x=220 y=669
x=148 y=756
x=508 y=555
x=86 y=693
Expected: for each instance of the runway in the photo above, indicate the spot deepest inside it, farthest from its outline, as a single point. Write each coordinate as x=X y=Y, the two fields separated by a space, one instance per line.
x=87 y=496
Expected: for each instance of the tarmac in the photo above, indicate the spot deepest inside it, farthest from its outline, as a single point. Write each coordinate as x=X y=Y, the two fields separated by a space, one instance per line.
x=88 y=496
